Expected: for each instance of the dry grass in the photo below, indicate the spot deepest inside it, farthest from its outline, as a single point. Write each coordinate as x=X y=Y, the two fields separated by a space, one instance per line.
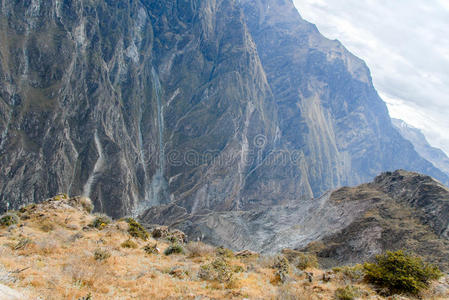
x=60 y=264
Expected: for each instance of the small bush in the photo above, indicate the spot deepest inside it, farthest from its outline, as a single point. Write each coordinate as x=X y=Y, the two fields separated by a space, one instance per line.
x=136 y=230
x=282 y=267
x=101 y=254
x=218 y=270
x=151 y=249
x=225 y=252
x=60 y=197
x=172 y=239
x=197 y=249
x=100 y=221
x=129 y=244
x=9 y=219
x=160 y=232
x=354 y=273
x=349 y=292
x=27 y=208
x=306 y=260
x=174 y=249
x=401 y=273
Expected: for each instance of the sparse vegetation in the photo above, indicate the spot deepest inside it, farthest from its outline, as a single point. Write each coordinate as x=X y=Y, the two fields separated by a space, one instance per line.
x=282 y=267
x=353 y=273
x=27 y=208
x=174 y=249
x=198 y=249
x=9 y=219
x=401 y=273
x=101 y=254
x=218 y=270
x=129 y=244
x=46 y=226
x=348 y=292
x=225 y=252
x=151 y=249
x=97 y=264
x=159 y=232
x=306 y=260
x=100 y=221
x=23 y=242
x=85 y=203
x=136 y=230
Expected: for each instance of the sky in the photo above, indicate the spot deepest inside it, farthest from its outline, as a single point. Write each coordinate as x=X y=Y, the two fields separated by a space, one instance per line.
x=405 y=43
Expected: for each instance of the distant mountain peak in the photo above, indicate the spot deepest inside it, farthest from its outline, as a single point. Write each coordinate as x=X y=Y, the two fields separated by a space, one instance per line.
x=415 y=136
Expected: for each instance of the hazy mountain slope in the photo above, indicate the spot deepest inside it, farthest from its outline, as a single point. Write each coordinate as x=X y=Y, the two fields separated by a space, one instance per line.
x=399 y=210
x=328 y=107
x=436 y=156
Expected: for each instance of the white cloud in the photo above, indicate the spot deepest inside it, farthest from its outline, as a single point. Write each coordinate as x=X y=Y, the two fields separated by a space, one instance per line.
x=405 y=44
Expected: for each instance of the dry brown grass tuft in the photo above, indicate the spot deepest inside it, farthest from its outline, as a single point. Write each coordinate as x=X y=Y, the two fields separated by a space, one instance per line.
x=199 y=249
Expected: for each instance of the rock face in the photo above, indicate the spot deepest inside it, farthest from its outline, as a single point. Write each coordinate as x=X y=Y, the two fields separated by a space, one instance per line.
x=434 y=155
x=406 y=211
x=399 y=210
x=108 y=99
x=217 y=105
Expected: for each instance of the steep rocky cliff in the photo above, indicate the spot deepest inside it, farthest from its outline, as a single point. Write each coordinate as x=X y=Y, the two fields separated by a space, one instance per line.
x=114 y=96
x=217 y=105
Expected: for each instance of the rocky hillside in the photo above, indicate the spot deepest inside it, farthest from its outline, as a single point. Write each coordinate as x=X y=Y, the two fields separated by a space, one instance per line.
x=58 y=250
x=217 y=105
x=399 y=210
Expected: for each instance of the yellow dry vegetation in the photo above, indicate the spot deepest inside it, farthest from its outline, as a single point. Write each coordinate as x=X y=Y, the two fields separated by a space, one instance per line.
x=53 y=253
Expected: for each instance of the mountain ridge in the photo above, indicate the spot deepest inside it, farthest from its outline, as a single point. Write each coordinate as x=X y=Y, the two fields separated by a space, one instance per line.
x=157 y=102
x=397 y=210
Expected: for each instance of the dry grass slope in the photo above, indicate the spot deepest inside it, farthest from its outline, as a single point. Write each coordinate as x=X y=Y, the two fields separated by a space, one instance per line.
x=54 y=252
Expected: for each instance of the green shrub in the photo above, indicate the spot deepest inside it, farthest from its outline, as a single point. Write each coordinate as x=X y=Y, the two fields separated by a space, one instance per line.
x=354 y=273
x=172 y=239
x=218 y=270
x=129 y=244
x=225 y=252
x=100 y=221
x=101 y=254
x=349 y=292
x=306 y=260
x=9 y=219
x=401 y=273
x=136 y=230
x=174 y=249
